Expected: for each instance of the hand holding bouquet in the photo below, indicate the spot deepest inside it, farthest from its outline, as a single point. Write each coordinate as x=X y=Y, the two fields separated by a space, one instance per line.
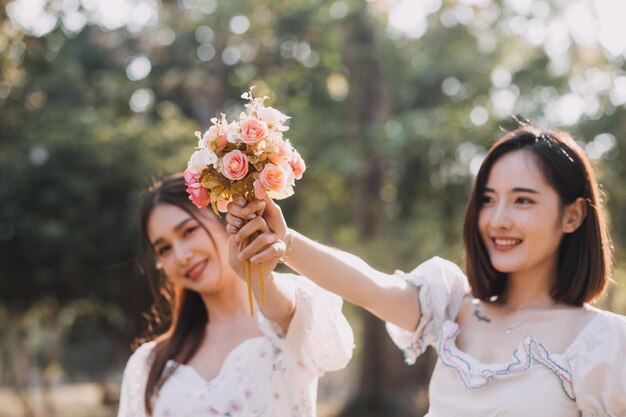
x=249 y=157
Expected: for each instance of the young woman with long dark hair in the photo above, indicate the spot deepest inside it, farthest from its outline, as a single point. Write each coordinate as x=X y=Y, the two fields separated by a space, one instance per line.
x=215 y=359
x=515 y=334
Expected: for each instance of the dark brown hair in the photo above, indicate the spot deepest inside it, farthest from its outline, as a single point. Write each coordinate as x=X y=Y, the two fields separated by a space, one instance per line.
x=585 y=256
x=181 y=310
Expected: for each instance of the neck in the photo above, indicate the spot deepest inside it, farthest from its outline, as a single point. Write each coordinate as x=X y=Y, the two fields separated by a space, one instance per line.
x=230 y=303
x=531 y=288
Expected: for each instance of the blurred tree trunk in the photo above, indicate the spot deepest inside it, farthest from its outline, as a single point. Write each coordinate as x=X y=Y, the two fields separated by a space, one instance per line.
x=368 y=103
x=209 y=98
x=387 y=387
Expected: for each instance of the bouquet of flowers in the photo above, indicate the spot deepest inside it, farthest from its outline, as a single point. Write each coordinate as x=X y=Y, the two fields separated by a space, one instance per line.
x=249 y=157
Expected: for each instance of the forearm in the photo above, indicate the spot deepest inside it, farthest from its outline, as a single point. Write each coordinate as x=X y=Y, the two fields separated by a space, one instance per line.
x=278 y=301
x=387 y=296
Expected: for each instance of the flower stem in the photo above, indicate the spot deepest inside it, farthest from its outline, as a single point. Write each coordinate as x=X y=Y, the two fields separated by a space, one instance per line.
x=262 y=277
x=249 y=282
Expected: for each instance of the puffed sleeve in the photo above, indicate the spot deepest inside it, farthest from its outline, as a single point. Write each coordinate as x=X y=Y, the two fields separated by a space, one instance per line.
x=319 y=336
x=442 y=286
x=598 y=362
x=134 y=383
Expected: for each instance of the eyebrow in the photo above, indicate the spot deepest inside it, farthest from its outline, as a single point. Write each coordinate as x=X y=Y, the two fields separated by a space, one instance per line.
x=515 y=190
x=176 y=228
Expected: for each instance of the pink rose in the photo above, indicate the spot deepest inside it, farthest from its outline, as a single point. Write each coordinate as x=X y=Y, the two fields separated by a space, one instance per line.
x=191 y=176
x=253 y=130
x=198 y=195
x=234 y=165
x=298 y=165
x=272 y=178
x=217 y=134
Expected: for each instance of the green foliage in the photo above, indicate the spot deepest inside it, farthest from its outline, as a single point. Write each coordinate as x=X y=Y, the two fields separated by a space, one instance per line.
x=383 y=121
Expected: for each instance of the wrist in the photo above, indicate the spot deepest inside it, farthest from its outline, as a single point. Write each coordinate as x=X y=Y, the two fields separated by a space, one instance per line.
x=288 y=239
x=268 y=281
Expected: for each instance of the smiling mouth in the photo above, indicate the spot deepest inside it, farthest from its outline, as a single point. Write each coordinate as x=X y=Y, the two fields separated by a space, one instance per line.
x=195 y=272
x=506 y=243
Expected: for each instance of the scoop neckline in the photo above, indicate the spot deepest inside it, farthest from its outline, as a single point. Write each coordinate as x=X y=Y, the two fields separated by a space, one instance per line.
x=227 y=359
x=525 y=340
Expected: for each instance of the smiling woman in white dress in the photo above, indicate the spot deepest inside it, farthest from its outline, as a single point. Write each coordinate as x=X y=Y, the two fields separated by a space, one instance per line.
x=516 y=336
x=215 y=359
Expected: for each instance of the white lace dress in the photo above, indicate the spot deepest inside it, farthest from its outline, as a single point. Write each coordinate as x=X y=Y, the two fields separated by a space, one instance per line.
x=588 y=379
x=267 y=376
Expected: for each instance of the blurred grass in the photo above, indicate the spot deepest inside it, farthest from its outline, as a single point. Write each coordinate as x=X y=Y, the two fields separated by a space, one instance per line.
x=77 y=400
x=88 y=399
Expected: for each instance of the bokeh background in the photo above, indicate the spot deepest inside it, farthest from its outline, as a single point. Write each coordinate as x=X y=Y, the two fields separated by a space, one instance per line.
x=394 y=103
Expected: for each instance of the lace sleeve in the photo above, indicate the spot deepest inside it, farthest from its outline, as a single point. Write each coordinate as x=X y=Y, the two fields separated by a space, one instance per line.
x=319 y=336
x=442 y=286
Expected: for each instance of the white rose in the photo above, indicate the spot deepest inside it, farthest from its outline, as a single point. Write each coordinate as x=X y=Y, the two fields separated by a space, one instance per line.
x=274 y=139
x=272 y=117
x=201 y=159
x=233 y=132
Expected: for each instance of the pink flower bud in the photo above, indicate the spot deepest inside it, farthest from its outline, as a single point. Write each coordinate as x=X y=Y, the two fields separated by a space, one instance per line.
x=198 y=195
x=298 y=166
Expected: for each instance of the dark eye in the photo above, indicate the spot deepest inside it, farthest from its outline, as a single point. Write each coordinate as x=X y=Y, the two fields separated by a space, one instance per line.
x=163 y=250
x=188 y=231
x=523 y=201
x=485 y=199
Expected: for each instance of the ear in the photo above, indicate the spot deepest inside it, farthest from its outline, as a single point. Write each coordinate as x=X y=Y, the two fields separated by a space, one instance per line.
x=574 y=214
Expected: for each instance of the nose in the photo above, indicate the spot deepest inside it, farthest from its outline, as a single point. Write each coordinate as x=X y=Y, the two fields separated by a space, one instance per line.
x=500 y=219
x=182 y=253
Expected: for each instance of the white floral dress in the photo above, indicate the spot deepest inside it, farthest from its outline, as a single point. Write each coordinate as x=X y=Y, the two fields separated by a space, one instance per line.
x=266 y=376
x=588 y=379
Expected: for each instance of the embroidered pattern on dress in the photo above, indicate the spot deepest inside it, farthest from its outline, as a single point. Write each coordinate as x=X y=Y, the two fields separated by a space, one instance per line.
x=529 y=352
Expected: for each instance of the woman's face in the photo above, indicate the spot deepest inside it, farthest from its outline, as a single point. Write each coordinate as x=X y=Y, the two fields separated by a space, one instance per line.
x=520 y=220
x=184 y=249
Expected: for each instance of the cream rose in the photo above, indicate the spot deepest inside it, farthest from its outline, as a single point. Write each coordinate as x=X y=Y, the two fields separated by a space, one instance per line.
x=233 y=132
x=201 y=159
x=272 y=117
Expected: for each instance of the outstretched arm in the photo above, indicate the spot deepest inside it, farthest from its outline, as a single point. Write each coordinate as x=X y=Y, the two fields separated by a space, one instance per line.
x=387 y=296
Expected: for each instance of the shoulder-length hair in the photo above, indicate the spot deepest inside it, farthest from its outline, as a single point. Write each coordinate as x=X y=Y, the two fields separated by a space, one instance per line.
x=181 y=310
x=585 y=256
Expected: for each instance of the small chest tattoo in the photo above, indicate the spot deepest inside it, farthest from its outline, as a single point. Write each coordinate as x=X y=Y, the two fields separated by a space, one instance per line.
x=481 y=317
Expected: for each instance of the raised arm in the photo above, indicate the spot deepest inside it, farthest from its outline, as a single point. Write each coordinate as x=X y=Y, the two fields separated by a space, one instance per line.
x=276 y=298
x=389 y=297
